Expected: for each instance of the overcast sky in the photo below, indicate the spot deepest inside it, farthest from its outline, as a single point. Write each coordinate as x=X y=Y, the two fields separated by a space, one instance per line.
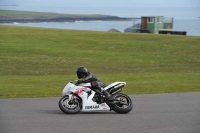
x=163 y=3
x=179 y=9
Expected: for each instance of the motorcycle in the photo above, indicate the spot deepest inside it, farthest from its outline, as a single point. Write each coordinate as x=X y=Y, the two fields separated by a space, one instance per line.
x=81 y=97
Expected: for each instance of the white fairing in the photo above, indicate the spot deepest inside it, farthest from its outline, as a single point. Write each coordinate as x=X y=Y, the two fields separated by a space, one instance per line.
x=114 y=84
x=69 y=88
x=87 y=103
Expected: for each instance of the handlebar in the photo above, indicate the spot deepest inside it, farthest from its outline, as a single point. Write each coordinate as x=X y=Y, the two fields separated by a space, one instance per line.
x=73 y=81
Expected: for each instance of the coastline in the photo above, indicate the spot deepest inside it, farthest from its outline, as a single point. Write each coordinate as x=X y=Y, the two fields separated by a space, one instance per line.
x=8 y=16
x=61 y=19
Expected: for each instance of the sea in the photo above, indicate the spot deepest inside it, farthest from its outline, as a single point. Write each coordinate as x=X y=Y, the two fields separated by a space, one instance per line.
x=186 y=18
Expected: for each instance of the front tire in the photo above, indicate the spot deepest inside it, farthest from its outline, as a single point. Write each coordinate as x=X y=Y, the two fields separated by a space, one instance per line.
x=124 y=106
x=69 y=108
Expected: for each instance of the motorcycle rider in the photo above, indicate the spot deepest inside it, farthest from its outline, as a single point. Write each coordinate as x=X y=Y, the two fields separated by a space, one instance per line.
x=89 y=77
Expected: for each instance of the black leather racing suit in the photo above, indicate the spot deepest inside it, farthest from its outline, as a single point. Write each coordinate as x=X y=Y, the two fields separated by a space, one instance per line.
x=90 y=77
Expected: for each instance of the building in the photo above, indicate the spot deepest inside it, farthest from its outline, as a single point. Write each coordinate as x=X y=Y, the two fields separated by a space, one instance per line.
x=155 y=23
x=151 y=24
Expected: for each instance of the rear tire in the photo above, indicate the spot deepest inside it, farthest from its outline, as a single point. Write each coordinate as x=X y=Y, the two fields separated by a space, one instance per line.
x=124 y=106
x=67 y=108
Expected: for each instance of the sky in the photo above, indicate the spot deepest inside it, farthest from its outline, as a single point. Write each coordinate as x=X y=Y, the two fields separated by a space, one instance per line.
x=163 y=3
x=122 y=8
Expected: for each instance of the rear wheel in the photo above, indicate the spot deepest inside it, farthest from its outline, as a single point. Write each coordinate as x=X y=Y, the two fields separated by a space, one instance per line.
x=124 y=106
x=69 y=108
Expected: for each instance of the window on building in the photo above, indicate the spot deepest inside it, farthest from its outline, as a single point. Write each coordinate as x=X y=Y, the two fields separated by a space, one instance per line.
x=150 y=20
x=159 y=20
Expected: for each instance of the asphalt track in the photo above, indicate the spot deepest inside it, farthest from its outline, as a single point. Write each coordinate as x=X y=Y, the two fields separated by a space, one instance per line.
x=154 y=113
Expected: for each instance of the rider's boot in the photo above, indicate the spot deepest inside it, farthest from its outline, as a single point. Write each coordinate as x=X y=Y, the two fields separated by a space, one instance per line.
x=99 y=88
x=98 y=92
x=107 y=95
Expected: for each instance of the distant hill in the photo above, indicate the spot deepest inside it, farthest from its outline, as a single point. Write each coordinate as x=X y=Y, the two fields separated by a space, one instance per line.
x=10 y=16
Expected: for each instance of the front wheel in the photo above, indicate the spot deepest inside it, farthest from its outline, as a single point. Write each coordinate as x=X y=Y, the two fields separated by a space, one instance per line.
x=124 y=106
x=69 y=108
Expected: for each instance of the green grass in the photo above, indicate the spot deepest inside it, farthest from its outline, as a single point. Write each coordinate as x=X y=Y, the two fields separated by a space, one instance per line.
x=38 y=62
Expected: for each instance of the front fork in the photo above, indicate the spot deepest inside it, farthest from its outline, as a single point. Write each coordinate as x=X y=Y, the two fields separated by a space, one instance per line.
x=72 y=100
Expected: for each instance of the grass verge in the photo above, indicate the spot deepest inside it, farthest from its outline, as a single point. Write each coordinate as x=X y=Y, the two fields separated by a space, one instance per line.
x=38 y=62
